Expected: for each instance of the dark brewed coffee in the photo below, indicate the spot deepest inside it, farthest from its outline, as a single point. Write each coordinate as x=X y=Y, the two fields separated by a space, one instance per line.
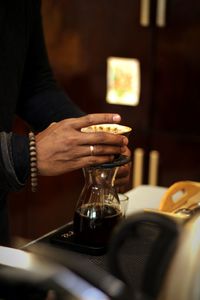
x=93 y=224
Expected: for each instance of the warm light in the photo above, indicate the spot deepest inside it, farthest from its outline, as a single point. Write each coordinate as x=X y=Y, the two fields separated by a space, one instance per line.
x=123 y=81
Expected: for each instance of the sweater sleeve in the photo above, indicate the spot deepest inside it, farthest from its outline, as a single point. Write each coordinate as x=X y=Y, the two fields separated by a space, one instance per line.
x=41 y=101
x=14 y=168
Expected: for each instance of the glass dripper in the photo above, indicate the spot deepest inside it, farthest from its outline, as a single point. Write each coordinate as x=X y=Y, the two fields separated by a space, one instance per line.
x=98 y=208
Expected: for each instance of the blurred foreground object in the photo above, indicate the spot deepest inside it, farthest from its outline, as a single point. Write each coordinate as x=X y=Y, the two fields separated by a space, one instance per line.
x=47 y=273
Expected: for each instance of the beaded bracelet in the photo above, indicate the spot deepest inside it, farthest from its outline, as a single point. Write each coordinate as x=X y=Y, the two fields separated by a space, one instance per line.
x=33 y=162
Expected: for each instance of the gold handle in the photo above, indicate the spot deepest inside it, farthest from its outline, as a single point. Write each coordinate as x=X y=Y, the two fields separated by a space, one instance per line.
x=161 y=13
x=138 y=167
x=153 y=167
x=145 y=13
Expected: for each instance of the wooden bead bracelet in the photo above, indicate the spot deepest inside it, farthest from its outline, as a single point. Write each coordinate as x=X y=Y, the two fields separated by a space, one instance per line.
x=33 y=162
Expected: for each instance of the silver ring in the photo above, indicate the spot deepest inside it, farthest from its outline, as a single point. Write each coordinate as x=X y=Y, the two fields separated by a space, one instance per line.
x=92 y=150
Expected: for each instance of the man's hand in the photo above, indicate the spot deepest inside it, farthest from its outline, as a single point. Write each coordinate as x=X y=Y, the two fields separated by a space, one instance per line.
x=62 y=147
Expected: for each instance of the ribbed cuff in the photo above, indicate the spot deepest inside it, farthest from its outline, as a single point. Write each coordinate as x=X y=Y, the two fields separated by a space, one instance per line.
x=20 y=156
x=14 y=160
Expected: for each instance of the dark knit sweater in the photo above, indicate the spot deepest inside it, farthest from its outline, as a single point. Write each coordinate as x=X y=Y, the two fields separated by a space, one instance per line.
x=28 y=89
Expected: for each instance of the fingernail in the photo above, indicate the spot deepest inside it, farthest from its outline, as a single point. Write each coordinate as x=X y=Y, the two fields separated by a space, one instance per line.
x=123 y=149
x=116 y=118
x=125 y=141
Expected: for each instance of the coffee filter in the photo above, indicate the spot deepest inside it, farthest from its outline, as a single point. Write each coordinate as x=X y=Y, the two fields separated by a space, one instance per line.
x=109 y=128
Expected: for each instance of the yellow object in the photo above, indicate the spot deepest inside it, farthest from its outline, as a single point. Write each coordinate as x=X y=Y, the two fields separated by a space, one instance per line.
x=182 y=194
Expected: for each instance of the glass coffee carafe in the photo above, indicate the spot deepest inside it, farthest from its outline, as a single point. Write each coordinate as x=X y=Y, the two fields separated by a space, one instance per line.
x=98 y=208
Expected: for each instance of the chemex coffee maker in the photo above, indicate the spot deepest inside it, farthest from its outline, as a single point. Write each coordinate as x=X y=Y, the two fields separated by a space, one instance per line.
x=98 y=208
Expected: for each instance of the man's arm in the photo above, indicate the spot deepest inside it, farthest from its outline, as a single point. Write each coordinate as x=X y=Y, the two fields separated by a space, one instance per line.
x=41 y=102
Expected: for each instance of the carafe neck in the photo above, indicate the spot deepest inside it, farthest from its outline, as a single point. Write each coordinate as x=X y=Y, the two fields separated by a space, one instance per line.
x=102 y=177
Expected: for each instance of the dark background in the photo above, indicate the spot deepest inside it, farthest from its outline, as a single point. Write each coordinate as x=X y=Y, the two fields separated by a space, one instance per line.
x=80 y=36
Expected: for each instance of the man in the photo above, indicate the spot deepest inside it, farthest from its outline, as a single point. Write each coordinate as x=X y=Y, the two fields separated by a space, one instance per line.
x=28 y=89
